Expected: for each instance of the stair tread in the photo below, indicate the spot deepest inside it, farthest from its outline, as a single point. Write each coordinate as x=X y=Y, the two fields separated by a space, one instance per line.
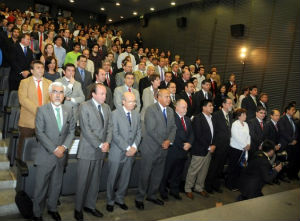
x=7 y=196
x=5 y=175
x=3 y=158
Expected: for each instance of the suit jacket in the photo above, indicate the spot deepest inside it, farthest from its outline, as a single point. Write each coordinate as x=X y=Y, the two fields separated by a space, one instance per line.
x=271 y=133
x=125 y=134
x=256 y=134
x=102 y=51
x=112 y=85
x=198 y=97
x=91 y=42
x=144 y=83
x=36 y=48
x=222 y=132
x=69 y=46
x=182 y=137
x=37 y=36
x=28 y=99
x=214 y=88
x=286 y=132
x=76 y=93
x=49 y=136
x=147 y=99
x=250 y=106
x=109 y=96
x=157 y=131
x=183 y=95
x=203 y=136
x=93 y=131
x=179 y=85
x=163 y=85
x=87 y=81
x=19 y=62
x=118 y=97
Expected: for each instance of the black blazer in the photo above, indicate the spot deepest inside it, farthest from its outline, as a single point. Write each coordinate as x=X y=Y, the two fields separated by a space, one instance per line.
x=214 y=87
x=203 y=136
x=87 y=81
x=69 y=46
x=181 y=137
x=36 y=36
x=179 y=85
x=256 y=134
x=218 y=101
x=163 y=85
x=222 y=132
x=250 y=106
x=183 y=95
x=286 y=133
x=112 y=82
x=19 y=62
x=271 y=133
x=198 y=97
x=144 y=83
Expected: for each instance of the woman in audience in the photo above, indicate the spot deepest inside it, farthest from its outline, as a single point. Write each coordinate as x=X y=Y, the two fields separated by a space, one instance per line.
x=49 y=40
x=244 y=94
x=232 y=93
x=195 y=82
x=48 y=52
x=220 y=96
x=51 y=69
x=239 y=147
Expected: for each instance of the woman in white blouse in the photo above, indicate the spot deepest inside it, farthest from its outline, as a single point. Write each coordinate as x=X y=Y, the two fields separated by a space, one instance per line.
x=243 y=94
x=238 y=151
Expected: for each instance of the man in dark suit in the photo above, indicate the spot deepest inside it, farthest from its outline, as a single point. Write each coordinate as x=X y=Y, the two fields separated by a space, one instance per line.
x=160 y=130
x=263 y=101
x=145 y=82
x=40 y=35
x=175 y=71
x=187 y=96
x=55 y=128
x=110 y=80
x=67 y=42
x=214 y=87
x=222 y=120
x=250 y=103
x=201 y=150
x=83 y=76
x=174 y=97
x=271 y=130
x=164 y=84
x=177 y=154
x=256 y=129
x=199 y=96
x=258 y=172
x=21 y=58
x=230 y=82
x=91 y=40
x=186 y=75
x=289 y=133
x=102 y=48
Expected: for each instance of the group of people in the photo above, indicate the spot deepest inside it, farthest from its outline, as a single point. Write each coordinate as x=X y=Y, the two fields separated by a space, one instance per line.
x=135 y=101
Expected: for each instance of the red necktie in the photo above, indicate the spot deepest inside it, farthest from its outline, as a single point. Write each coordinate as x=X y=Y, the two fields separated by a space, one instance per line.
x=129 y=89
x=261 y=125
x=39 y=93
x=31 y=45
x=183 y=123
x=276 y=127
x=41 y=40
x=191 y=101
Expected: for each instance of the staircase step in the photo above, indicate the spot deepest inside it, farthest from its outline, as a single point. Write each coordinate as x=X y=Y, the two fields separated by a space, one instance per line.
x=7 y=180
x=4 y=163
x=7 y=202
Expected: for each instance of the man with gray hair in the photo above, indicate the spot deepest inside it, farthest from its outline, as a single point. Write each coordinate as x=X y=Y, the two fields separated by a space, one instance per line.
x=54 y=130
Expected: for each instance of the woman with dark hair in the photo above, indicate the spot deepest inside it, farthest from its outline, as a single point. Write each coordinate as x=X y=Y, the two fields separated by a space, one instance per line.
x=51 y=69
x=239 y=147
x=244 y=93
x=220 y=96
x=48 y=52
x=232 y=93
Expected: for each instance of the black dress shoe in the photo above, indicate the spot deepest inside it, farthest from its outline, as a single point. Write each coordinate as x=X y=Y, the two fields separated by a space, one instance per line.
x=123 y=206
x=109 y=208
x=94 y=212
x=218 y=190
x=54 y=215
x=164 y=197
x=37 y=218
x=78 y=215
x=156 y=201
x=209 y=190
x=139 y=205
x=176 y=196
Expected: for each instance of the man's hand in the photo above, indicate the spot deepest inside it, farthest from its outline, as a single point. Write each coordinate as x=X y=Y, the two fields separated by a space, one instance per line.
x=131 y=152
x=165 y=145
x=59 y=151
x=105 y=147
x=278 y=168
x=294 y=142
x=212 y=148
x=277 y=147
x=186 y=146
x=25 y=73
x=247 y=147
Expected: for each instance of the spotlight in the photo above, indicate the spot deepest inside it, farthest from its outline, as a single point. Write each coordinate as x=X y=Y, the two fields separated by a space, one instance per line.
x=243 y=50
x=152 y=9
x=102 y=9
x=134 y=13
x=173 y=3
x=117 y=4
x=243 y=55
x=110 y=20
x=121 y=16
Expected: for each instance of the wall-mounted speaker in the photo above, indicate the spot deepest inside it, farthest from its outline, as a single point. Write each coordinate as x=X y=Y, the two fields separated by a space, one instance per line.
x=237 y=30
x=181 y=22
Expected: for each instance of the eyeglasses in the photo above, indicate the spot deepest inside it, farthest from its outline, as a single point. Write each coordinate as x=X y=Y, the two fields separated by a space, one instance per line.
x=57 y=92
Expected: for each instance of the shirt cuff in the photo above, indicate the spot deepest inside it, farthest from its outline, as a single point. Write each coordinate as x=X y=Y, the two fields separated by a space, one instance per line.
x=65 y=147
x=133 y=145
x=70 y=86
x=73 y=100
x=100 y=146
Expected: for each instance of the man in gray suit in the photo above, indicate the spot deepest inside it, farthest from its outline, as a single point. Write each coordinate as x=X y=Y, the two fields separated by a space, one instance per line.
x=160 y=130
x=120 y=77
x=100 y=79
x=96 y=134
x=129 y=79
x=54 y=128
x=127 y=136
x=83 y=76
x=73 y=95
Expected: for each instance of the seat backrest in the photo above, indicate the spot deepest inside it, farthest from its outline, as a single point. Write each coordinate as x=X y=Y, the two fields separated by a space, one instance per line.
x=30 y=148
x=13 y=118
x=13 y=99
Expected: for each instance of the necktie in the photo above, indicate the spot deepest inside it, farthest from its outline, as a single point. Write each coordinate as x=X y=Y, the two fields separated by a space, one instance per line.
x=100 y=112
x=66 y=40
x=165 y=114
x=58 y=118
x=41 y=40
x=39 y=93
x=31 y=45
x=227 y=120
x=107 y=79
x=205 y=95
x=82 y=74
x=183 y=123
x=261 y=125
x=129 y=89
x=129 y=118
x=276 y=127
x=161 y=74
x=25 y=51
x=191 y=101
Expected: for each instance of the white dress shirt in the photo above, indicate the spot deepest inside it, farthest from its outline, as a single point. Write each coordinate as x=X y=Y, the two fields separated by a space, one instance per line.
x=240 y=136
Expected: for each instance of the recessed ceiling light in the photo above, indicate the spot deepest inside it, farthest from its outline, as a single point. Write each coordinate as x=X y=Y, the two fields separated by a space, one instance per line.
x=110 y=20
x=117 y=4
x=152 y=9
x=134 y=13
x=173 y=3
x=121 y=16
x=71 y=1
x=102 y=9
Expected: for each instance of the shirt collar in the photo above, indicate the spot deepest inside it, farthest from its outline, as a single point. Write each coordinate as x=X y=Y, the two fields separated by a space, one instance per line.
x=259 y=120
x=207 y=116
x=34 y=78
x=96 y=103
x=80 y=69
x=126 y=111
x=275 y=123
x=224 y=112
x=179 y=115
x=161 y=107
x=54 y=107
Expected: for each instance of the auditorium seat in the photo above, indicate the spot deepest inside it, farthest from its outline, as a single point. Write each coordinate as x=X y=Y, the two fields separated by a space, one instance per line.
x=4 y=86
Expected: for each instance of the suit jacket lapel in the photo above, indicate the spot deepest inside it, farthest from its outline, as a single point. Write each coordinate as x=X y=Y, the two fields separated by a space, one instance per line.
x=52 y=115
x=32 y=85
x=65 y=116
x=96 y=111
x=207 y=125
x=161 y=116
x=45 y=91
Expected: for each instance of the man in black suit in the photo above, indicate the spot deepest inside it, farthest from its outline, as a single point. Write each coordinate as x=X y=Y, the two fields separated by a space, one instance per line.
x=110 y=80
x=145 y=82
x=256 y=129
x=91 y=40
x=186 y=75
x=21 y=58
x=250 y=103
x=102 y=48
x=40 y=36
x=288 y=133
x=177 y=154
x=83 y=76
x=67 y=42
x=173 y=96
x=230 y=82
x=175 y=73
x=263 y=101
x=164 y=84
x=201 y=95
x=201 y=150
x=187 y=96
x=222 y=120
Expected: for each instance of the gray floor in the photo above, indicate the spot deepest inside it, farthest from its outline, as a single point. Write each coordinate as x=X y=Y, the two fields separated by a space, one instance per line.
x=174 y=208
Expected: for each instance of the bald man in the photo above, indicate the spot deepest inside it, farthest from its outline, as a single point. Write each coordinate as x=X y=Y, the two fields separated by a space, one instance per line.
x=160 y=130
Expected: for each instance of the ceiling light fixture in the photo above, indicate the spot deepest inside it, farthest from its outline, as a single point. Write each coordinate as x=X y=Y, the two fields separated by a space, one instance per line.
x=71 y=1
x=134 y=13
x=173 y=3
x=117 y=4
x=102 y=9
x=121 y=16
x=152 y=9
x=110 y=20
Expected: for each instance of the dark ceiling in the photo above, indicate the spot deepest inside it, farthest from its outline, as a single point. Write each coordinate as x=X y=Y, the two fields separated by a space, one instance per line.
x=125 y=9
